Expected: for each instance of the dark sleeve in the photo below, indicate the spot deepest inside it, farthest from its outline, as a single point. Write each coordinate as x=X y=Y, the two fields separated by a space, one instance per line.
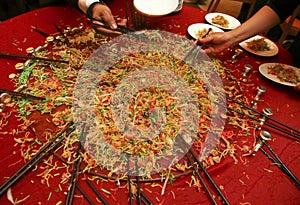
x=44 y=3
x=73 y=3
x=283 y=8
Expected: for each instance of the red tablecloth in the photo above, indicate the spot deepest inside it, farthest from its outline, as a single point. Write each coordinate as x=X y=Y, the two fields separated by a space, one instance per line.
x=243 y=183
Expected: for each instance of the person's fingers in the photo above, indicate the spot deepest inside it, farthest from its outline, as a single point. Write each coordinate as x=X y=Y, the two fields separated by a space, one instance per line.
x=210 y=49
x=101 y=28
x=109 y=20
x=101 y=11
x=205 y=40
x=105 y=31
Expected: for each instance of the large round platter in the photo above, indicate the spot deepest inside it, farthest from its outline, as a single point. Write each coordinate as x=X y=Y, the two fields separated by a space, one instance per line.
x=155 y=7
x=233 y=22
x=263 y=69
x=198 y=27
x=273 y=47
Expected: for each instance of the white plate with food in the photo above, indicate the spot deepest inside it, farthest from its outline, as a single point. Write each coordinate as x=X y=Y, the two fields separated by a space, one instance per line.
x=280 y=73
x=155 y=7
x=197 y=30
x=223 y=21
x=260 y=46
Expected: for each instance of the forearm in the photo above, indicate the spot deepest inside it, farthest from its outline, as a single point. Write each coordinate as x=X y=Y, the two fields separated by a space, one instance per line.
x=263 y=20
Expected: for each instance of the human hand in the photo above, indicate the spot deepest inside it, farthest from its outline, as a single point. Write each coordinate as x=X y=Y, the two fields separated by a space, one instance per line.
x=216 y=42
x=103 y=12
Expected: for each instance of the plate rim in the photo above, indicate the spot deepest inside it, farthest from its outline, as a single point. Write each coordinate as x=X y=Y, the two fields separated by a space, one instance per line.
x=209 y=25
x=207 y=18
x=259 y=53
x=263 y=71
x=149 y=14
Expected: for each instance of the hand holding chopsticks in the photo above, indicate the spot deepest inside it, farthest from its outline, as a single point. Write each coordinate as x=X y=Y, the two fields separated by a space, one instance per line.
x=99 y=23
x=197 y=46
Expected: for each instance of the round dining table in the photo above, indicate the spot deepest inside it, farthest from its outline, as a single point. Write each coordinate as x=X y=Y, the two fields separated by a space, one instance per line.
x=247 y=180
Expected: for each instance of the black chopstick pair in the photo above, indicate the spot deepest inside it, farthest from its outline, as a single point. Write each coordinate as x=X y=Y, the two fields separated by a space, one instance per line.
x=296 y=136
x=75 y=172
x=262 y=114
x=141 y=196
x=197 y=47
x=45 y=34
x=62 y=34
x=279 y=163
x=273 y=156
x=191 y=154
x=96 y=192
x=74 y=177
x=43 y=152
x=12 y=55
x=18 y=94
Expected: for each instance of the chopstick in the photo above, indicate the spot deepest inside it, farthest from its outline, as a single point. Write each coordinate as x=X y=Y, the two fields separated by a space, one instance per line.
x=62 y=33
x=85 y=195
x=272 y=119
x=198 y=46
x=128 y=181
x=201 y=180
x=190 y=151
x=11 y=55
x=138 y=183
x=96 y=192
x=258 y=120
x=120 y=28
x=140 y=195
x=40 y=32
x=209 y=178
x=75 y=172
x=74 y=176
x=44 y=151
x=279 y=163
x=44 y=33
x=145 y=199
x=18 y=94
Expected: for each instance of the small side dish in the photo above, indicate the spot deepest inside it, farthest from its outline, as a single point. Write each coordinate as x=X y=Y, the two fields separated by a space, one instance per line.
x=221 y=21
x=258 y=44
x=284 y=73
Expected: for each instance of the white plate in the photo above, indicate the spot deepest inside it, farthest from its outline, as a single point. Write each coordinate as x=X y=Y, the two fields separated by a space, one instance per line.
x=233 y=22
x=155 y=7
x=195 y=28
x=273 y=47
x=263 y=69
